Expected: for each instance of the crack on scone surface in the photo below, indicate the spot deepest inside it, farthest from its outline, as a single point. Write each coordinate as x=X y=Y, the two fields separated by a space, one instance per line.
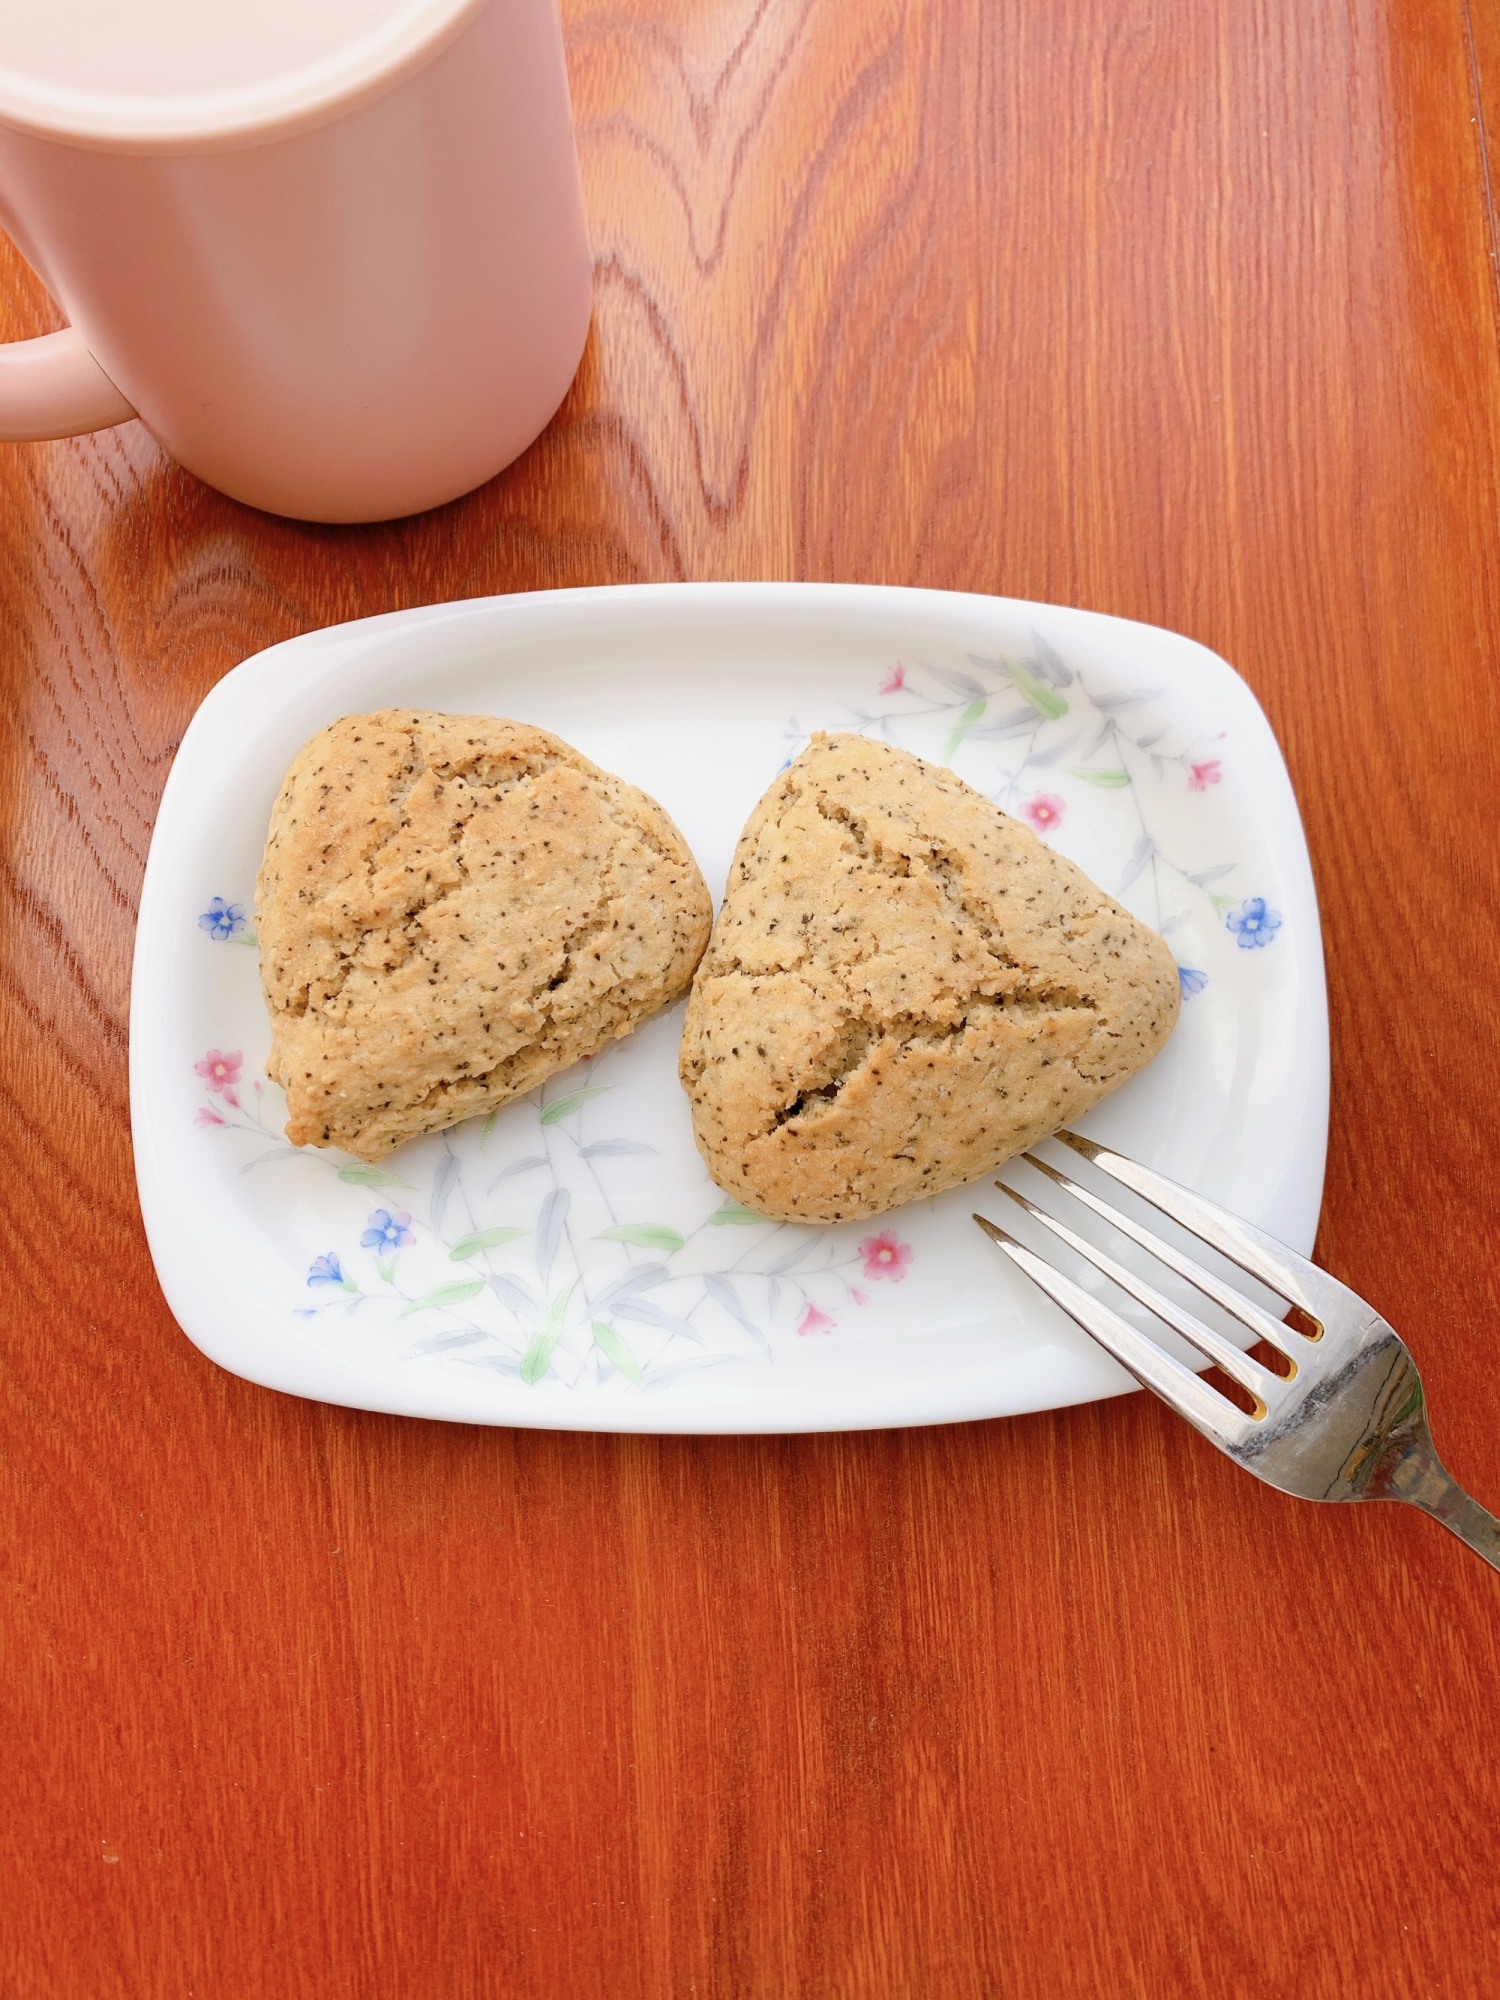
x=944 y=867
x=857 y=1040
x=909 y=1031
x=540 y=1047
x=487 y=791
x=406 y=925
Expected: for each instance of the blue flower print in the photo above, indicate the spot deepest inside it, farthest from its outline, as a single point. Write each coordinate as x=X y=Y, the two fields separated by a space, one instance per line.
x=388 y=1233
x=223 y=920
x=1253 y=923
x=1190 y=981
x=326 y=1271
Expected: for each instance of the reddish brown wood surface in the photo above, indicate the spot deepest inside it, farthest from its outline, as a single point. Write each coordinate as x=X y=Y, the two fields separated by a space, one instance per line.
x=1183 y=309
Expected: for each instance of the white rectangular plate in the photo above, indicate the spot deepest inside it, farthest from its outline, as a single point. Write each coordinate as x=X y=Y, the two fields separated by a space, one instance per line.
x=614 y=1288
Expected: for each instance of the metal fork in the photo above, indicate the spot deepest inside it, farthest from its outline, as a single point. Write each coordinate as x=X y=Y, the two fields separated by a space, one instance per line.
x=1348 y=1423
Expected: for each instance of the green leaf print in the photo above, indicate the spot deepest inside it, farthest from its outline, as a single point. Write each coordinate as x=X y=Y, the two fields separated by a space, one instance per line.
x=357 y=1174
x=452 y=1294
x=1046 y=701
x=645 y=1235
x=614 y=1349
x=538 y=1357
x=1109 y=781
x=961 y=728
x=482 y=1239
x=734 y=1212
x=564 y=1107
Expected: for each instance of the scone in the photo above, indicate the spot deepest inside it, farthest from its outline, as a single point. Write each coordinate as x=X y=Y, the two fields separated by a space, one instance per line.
x=451 y=908
x=904 y=988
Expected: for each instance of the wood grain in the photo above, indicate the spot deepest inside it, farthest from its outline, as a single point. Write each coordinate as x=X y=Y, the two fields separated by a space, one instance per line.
x=1182 y=309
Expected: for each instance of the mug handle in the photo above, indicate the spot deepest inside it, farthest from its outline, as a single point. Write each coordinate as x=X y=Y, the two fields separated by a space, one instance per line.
x=53 y=387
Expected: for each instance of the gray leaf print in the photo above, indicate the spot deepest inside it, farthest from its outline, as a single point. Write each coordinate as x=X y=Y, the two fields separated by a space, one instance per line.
x=442 y=1187
x=1041 y=758
x=645 y=1313
x=1113 y=704
x=549 y=1229
x=519 y=1296
x=723 y=1293
x=1050 y=666
x=793 y=1256
x=641 y=1279
x=441 y=1342
x=1140 y=857
x=958 y=682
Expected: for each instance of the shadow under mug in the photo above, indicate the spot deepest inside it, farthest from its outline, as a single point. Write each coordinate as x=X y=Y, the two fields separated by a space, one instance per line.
x=350 y=307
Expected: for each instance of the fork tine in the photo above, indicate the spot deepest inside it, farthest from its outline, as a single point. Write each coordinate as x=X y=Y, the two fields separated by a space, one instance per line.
x=1266 y=1388
x=1204 y=1408
x=1298 y=1281
x=1276 y=1331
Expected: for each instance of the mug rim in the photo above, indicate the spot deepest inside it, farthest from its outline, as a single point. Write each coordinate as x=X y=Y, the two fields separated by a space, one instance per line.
x=226 y=120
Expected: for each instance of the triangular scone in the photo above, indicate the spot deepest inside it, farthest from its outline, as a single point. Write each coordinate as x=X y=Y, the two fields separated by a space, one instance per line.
x=450 y=909
x=904 y=988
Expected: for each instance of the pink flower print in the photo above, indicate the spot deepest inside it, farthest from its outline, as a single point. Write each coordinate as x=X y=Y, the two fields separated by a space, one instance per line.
x=814 y=1321
x=860 y=1298
x=1045 y=811
x=885 y=1257
x=894 y=680
x=204 y=1116
x=1201 y=776
x=220 y=1073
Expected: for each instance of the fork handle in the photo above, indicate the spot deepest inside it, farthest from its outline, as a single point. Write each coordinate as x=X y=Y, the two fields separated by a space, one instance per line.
x=1419 y=1477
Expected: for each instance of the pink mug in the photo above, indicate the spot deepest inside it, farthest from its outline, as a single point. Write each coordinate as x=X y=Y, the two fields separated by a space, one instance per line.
x=331 y=252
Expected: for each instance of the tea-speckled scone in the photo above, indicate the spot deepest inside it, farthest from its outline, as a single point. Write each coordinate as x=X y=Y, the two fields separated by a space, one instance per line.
x=904 y=988
x=451 y=908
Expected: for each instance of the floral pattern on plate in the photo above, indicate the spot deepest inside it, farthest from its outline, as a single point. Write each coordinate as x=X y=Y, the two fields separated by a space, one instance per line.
x=1030 y=732
x=225 y=921
x=532 y=1259
x=528 y=1243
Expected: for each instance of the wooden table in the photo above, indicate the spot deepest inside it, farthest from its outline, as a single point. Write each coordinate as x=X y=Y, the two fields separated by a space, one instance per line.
x=1182 y=309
